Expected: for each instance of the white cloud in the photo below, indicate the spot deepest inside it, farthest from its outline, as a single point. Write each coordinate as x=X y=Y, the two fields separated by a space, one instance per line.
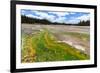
x=41 y=15
x=60 y=20
x=84 y=17
x=60 y=17
x=59 y=14
x=45 y=15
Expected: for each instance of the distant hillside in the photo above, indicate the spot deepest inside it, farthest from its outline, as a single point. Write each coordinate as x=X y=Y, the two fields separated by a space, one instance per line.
x=29 y=20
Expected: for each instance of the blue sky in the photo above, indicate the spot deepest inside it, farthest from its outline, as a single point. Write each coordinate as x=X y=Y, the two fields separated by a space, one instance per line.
x=59 y=17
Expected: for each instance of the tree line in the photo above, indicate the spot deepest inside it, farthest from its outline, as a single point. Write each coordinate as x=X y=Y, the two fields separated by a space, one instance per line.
x=29 y=20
